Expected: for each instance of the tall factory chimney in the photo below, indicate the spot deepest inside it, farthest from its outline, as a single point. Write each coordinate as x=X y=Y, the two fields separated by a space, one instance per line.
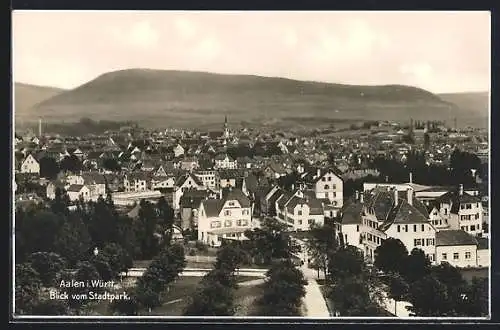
x=40 y=127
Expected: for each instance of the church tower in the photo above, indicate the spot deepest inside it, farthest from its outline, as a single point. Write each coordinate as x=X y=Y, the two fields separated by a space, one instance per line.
x=226 y=130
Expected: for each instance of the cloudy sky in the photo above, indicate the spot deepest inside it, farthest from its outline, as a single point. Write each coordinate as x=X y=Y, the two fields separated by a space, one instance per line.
x=437 y=51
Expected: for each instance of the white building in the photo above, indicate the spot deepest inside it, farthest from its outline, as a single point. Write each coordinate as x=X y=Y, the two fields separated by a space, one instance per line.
x=225 y=218
x=456 y=247
x=178 y=150
x=299 y=211
x=225 y=161
x=462 y=211
x=327 y=184
x=75 y=191
x=136 y=182
x=208 y=178
x=30 y=165
x=184 y=183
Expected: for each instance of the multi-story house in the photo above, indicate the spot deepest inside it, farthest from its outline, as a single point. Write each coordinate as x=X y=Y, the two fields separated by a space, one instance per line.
x=299 y=211
x=462 y=211
x=209 y=179
x=226 y=218
x=225 y=161
x=136 y=181
x=327 y=184
x=30 y=165
x=184 y=183
x=457 y=248
x=94 y=181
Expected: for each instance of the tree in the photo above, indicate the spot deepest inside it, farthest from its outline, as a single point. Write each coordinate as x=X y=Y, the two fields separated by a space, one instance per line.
x=477 y=298
x=346 y=262
x=391 y=255
x=49 y=168
x=118 y=258
x=111 y=164
x=417 y=266
x=283 y=291
x=146 y=227
x=86 y=273
x=72 y=240
x=398 y=289
x=321 y=244
x=166 y=215
x=351 y=297
x=28 y=285
x=212 y=298
x=271 y=241
x=429 y=297
x=101 y=264
x=48 y=265
x=36 y=230
x=229 y=257
x=71 y=164
x=454 y=283
x=163 y=269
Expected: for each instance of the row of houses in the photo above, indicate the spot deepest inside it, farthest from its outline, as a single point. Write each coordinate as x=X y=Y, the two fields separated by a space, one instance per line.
x=447 y=228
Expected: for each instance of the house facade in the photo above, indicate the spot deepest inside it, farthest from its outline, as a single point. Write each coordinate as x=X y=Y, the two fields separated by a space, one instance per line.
x=30 y=165
x=226 y=218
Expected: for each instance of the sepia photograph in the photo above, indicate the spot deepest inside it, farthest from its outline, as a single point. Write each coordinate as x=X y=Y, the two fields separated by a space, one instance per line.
x=309 y=165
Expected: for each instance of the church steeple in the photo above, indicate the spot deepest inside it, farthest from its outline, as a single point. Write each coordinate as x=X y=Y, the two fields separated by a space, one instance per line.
x=226 y=129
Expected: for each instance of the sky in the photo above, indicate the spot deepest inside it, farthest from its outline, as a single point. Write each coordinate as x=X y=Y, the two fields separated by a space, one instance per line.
x=438 y=51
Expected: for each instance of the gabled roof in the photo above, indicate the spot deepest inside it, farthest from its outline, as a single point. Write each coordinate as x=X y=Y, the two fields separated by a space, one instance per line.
x=236 y=194
x=351 y=214
x=454 y=238
x=93 y=178
x=184 y=178
x=75 y=188
x=212 y=207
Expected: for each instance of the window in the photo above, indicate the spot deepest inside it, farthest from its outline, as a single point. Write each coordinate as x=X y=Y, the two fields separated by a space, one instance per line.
x=228 y=223
x=467 y=255
x=462 y=206
x=444 y=256
x=227 y=212
x=472 y=228
x=215 y=224
x=464 y=228
x=445 y=211
x=414 y=228
x=477 y=216
x=300 y=222
x=423 y=227
x=333 y=187
x=327 y=187
x=399 y=228
x=357 y=228
x=310 y=221
x=299 y=212
x=430 y=241
x=231 y=203
x=468 y=206
x=406 y=228
x=455 y=256
x=417 y=242
x=329 y=178
x=323 y=179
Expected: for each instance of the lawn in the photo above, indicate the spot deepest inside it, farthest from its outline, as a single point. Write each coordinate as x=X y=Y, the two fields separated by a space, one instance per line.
x=245 y=300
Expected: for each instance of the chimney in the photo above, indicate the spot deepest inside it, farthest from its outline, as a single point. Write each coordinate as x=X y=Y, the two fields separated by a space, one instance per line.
x=396 y=197
x=409 y=193
x=473 y=172
x=361 y=197
x=411 y=177
x=461 y=189
x=357 y=195
x=293 y=187
x=318 y=172
x=40 y=127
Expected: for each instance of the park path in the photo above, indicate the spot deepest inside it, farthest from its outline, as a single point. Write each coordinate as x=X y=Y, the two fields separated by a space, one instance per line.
x=252 y=282
x=313 y=301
